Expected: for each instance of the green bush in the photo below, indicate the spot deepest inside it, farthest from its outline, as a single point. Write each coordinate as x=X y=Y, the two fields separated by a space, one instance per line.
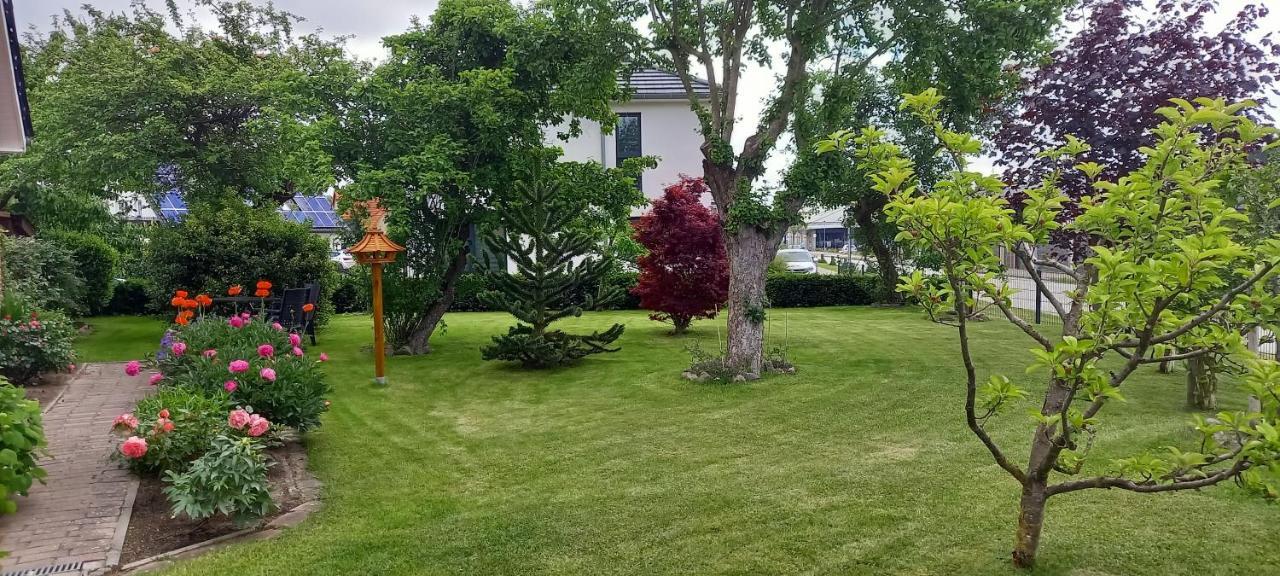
x=21 y=438
x=131 y=297
x=96 y=263
x=807 y=290
x=352 y=292
x=34 y=343
x=230 y=479
x=471 y=285
x=215 y=246
x=293 y=394
x=42 y=273
x=194 y=417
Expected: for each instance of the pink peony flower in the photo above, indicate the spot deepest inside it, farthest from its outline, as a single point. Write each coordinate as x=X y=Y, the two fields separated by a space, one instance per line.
x=267 y=374
x=297 y=351
x=258 y=425
x=126 y=421
x=295 y=339
x=230 y=386
x=324 y=357
x=236 y=322
x=168 y=426
x=164 y=413
x=210 y=353
x=134 y=447
x=132 y=368
x=266 y=351
x=245 y=315
x=238 y=366
x=277 y=326
x=155 y=379
x=238 y=419
x=179 y=348
x=163 y=425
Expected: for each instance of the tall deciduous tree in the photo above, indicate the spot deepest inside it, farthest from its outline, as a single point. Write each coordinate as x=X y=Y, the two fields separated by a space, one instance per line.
x=716 y=39
x=142 y=101
x=685 y=274
x=1103 y=85
x=457 y=109
x=1167 y=271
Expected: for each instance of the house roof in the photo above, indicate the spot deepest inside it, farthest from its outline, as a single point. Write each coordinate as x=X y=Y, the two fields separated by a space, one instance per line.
x=654 y=84
x=315 y=210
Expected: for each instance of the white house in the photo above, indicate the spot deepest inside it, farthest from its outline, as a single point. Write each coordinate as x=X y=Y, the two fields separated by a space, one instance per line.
x=657 y=122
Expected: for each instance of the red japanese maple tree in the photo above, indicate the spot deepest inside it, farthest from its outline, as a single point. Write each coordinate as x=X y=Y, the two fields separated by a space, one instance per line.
x=685 y=275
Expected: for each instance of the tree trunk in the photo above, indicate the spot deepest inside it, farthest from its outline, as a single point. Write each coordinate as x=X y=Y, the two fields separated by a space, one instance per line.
x=1030 y=521
x=420 y=340
x=1202 y=384
x=680 y=323
x=750 y=250
x=864 y=215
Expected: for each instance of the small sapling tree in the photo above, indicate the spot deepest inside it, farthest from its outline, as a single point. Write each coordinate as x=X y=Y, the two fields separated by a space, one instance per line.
x=1164 y=272
x=556 y=267
x=685 y=274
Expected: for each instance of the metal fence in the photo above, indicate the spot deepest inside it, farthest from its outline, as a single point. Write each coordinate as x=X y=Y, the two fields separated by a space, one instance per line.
x=1029 y=303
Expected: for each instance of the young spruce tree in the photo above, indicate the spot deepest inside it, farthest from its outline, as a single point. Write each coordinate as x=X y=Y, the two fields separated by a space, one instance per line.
x=557 y=268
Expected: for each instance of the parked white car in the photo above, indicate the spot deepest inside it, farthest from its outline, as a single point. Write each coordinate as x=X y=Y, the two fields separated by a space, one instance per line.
x=798 y=260
x=342 y=258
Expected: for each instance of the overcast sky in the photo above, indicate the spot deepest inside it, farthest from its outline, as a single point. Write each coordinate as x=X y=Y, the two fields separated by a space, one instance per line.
x=367 y=21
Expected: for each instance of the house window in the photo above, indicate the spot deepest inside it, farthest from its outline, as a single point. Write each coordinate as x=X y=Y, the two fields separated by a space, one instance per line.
x=627 y=139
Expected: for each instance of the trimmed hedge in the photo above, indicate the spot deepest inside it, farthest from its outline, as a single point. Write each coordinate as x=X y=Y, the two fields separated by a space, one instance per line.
x=96 y=264
x=131 y=297
x=809 y=290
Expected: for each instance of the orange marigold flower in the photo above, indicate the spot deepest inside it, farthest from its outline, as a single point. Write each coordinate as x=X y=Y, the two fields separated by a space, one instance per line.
x=234 y=290
x=308 y=307
x=263 y=285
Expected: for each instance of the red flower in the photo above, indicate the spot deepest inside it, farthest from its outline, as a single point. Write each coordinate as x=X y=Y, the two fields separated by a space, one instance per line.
x=176 y=302
x=308 y=307
x=181 y=294
x=204 y=300
x=234 y=290
x=263 y=285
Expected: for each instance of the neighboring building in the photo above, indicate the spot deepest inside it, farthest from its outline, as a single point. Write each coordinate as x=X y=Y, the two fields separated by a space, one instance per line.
x=657 y=121
x=169 y=207
x=822 y=230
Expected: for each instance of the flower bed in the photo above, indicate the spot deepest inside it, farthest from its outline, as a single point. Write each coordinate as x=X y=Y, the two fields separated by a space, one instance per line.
x=229 y=391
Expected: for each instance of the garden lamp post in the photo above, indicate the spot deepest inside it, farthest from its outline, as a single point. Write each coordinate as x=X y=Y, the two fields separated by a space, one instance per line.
x=375 y=249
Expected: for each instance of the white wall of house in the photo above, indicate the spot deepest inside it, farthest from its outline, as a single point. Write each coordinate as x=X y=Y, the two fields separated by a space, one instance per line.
x=668 y=131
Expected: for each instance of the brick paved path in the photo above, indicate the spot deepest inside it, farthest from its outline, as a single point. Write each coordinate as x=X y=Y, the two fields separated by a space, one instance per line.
x=75 y=515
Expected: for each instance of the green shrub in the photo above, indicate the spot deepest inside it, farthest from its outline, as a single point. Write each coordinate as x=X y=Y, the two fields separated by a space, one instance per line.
x=21 y=439
x=35 y=343
x=131 y=297
x=466 y=297
x=194 y=417
x=470 y=285
x=352 y=292
x=42 y=272
x=807 y=290
x=292 y=394
x=230 y=479
x=215 y=246
x=96 y=263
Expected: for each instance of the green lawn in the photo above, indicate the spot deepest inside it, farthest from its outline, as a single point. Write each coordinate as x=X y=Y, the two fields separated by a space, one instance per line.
x=117 y=338
x=859 y=464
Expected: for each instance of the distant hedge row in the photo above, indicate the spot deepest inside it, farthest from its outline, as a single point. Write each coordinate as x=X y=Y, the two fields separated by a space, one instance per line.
x=783 y=290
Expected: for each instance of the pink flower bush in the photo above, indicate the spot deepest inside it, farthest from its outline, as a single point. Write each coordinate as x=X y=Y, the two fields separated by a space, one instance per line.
x=266 y=351
x=163 y=425
x=258 y=425
x=297 y=351
x=134 y=447
x=267 y=374
x=179 y=348
x=238 y=366
x=294 y=339
x=230 y=386
x=210 y=353
x=236 y=322
x=277 y=326
x=238 y=419
x=155 y=378
x=126 y=421
x=132 y=368
x=324 y=357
